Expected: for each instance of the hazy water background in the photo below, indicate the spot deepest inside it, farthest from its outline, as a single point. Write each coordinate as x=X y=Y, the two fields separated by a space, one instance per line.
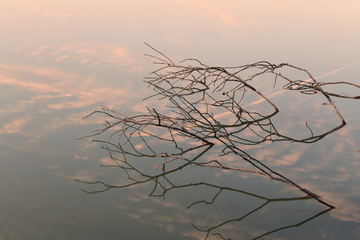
x=60 y=60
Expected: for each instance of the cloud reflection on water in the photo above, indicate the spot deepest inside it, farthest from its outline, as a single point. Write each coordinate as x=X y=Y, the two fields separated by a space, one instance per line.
x=58 y=77
x=53 y=88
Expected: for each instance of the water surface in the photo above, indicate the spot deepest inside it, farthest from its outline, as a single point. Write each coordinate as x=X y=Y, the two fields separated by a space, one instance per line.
x=61 y=60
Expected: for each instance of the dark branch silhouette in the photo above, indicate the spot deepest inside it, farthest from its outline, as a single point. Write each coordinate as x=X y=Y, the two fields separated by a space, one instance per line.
x=208 y=106
x=161 y=185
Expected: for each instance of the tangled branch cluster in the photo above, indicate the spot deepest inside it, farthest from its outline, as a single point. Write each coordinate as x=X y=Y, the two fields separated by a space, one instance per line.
x=207 y=105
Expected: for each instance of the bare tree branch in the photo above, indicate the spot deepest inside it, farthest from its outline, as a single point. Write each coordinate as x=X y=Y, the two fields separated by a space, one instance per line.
x=198 y=96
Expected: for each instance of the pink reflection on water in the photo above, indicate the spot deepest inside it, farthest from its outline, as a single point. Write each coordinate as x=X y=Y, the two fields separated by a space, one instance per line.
x=51 y=89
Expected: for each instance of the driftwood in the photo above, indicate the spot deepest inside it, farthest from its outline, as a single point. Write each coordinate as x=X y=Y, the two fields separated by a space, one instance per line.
x=199 y=96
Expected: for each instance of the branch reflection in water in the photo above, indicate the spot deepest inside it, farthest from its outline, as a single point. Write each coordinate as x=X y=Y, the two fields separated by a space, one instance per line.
x=210 y=107
x=161 y=185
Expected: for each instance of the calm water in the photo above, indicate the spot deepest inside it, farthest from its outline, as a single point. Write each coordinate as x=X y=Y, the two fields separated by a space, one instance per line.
x=61 y=60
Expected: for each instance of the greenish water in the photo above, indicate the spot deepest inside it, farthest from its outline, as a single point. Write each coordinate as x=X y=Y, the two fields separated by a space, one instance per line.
x=60 y=61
